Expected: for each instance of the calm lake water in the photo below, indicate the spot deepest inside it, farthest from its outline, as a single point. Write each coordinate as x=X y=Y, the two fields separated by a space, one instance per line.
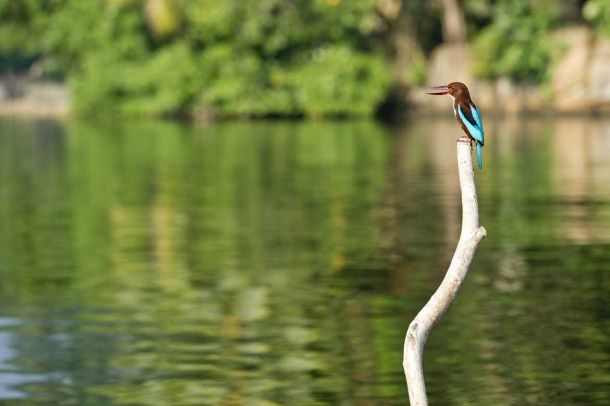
x=281 y=263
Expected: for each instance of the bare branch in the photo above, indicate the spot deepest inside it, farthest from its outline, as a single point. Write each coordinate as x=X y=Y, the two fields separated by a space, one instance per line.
x=470 y=237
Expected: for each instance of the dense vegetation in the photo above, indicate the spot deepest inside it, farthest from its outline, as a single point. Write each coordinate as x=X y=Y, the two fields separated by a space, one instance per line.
x=266 y=57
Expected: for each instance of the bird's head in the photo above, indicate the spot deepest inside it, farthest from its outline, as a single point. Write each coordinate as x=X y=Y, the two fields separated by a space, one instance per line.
x=457 y=90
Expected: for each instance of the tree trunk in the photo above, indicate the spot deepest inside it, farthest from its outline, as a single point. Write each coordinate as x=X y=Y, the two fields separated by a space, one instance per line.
x=405 y=54
x=454 y=24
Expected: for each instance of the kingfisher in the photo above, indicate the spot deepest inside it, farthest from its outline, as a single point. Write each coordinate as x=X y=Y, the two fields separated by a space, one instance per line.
x=466 y=114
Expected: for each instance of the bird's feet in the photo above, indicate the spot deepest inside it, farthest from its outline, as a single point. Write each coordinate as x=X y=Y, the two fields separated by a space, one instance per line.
x=465 y=140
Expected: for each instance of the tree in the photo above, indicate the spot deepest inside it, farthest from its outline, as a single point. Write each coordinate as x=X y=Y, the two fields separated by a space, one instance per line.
x=454 y=24
x=517 y=44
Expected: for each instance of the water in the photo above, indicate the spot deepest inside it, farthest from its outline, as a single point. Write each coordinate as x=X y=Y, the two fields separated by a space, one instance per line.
x=280 y=263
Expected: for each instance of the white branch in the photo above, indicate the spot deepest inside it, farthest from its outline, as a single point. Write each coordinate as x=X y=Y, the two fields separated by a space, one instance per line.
x=441 y=300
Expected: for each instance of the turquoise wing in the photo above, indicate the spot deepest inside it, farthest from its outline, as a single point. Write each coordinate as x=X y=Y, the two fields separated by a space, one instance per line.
x=475 y=129
x=477 y=117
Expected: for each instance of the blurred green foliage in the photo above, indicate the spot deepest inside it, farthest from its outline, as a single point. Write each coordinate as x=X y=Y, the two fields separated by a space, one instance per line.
x=598 y=13
x=245 y=57
x=516 y=44
x=267 y=57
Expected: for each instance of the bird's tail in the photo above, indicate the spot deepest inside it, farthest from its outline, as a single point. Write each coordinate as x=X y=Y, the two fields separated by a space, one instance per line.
x=480 y=155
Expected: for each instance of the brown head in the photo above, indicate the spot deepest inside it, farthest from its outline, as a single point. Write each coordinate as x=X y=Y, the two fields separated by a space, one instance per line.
x=455 y=89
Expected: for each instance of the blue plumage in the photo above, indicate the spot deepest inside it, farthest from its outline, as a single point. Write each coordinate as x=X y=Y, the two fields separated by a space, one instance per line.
x=477 y=118
x=475 y=129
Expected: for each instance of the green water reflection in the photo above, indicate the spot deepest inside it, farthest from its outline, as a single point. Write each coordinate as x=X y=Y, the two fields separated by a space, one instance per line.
x=280 y=263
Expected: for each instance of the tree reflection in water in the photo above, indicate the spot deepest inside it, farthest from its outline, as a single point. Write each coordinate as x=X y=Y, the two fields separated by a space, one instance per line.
x=266 y=263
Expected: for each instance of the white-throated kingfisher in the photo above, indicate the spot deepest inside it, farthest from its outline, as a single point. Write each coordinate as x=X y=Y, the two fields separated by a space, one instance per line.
x=466 y=114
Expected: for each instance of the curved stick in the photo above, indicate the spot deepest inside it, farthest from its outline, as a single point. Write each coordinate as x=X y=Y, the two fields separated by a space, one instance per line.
x=441 y=300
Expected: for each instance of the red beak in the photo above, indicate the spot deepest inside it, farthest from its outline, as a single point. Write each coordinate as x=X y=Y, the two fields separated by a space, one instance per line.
x=438 y=90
